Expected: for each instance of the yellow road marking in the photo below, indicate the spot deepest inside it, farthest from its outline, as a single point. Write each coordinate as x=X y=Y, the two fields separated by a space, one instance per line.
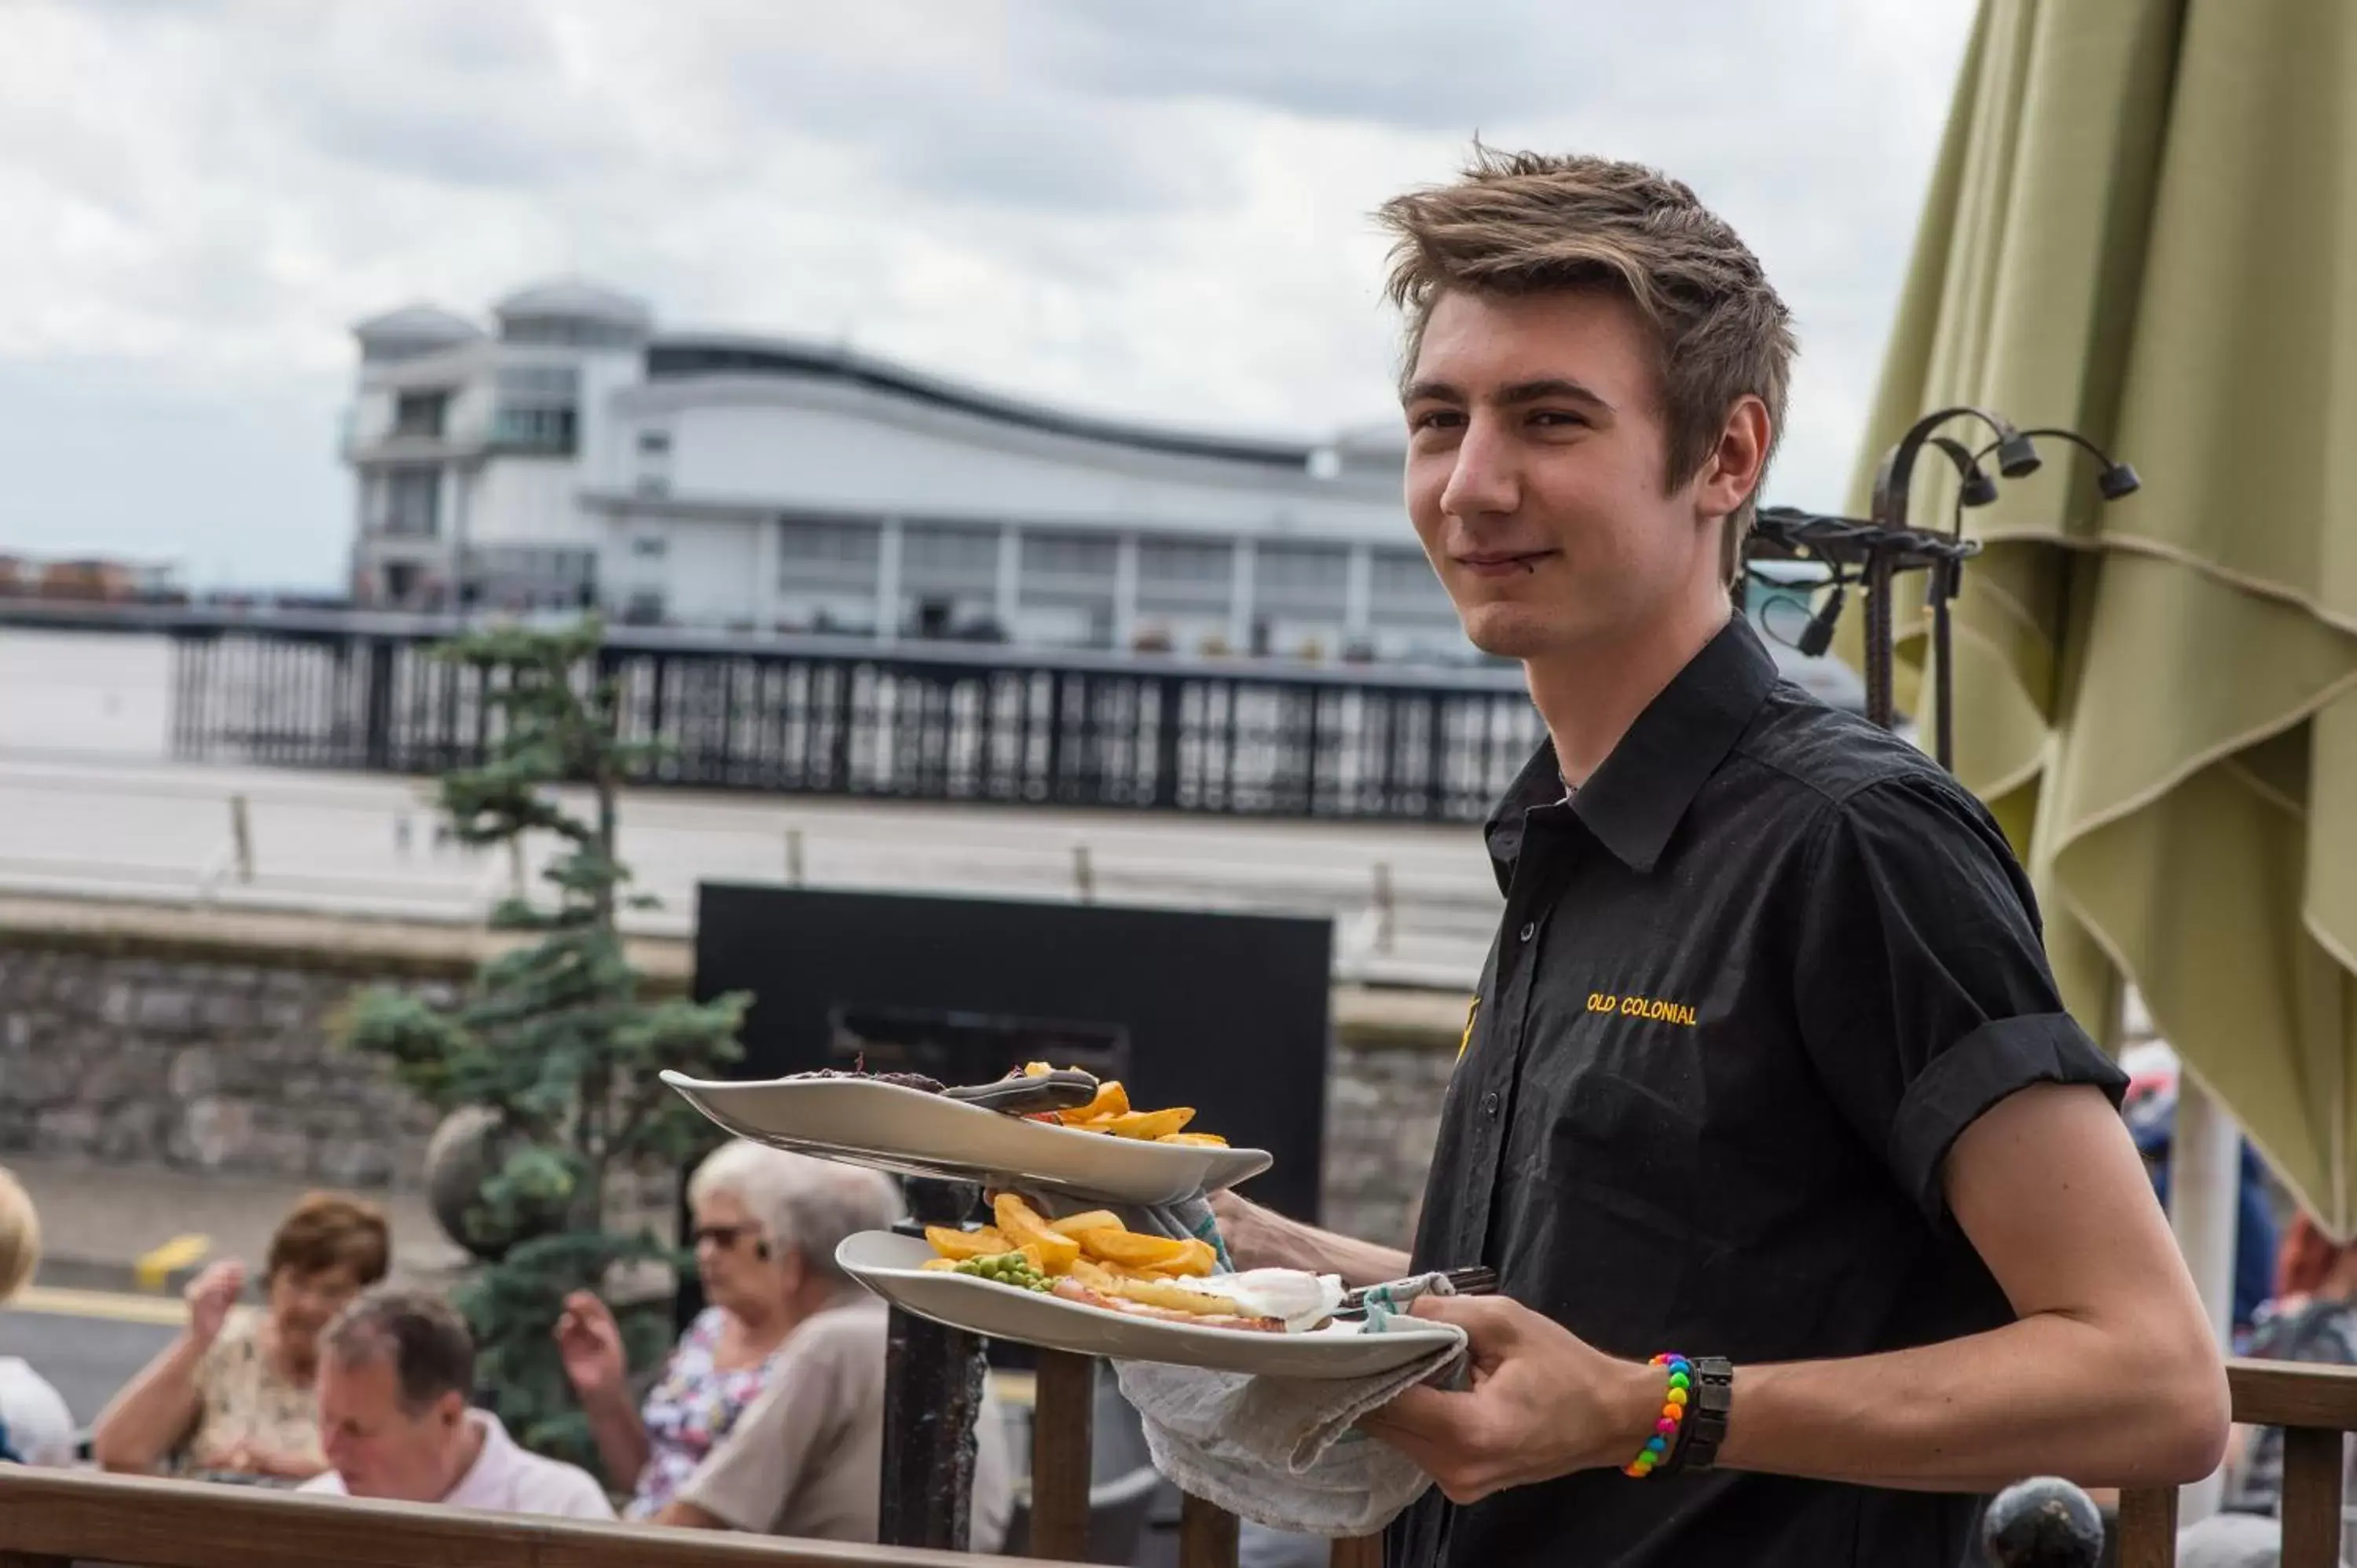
x=118 y=1305
x=158 y=1265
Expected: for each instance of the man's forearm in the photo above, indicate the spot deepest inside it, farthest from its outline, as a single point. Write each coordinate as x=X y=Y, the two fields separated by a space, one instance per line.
x=1260 y=1238
x=2047 y=1395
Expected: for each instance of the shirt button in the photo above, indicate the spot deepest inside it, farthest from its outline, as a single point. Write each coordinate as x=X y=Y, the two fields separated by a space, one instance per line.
x=1530 y=930
x=1490 y=1104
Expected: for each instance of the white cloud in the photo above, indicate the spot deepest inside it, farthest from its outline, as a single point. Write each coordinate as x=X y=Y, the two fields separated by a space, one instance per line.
x=1152 y=211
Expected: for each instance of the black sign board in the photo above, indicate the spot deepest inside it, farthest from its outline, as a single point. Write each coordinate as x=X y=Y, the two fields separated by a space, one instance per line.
x=1230 y=1014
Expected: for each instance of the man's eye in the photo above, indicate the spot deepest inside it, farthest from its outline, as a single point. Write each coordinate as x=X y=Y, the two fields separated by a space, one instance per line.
x=1435 y=419
x=1557 y=417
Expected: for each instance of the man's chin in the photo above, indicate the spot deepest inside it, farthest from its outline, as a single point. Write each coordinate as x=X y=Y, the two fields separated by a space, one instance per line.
x=1510 y=631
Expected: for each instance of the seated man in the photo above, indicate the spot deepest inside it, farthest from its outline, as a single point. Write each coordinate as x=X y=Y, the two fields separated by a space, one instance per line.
x=806 y=1458
x=396 y=1369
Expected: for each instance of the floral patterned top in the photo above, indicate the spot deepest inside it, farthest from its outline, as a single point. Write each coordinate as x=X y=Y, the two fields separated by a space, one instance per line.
x=691 y=1408
x=242 y=1402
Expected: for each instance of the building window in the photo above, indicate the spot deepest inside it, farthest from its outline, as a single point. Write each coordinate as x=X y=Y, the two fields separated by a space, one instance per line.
x=548 y=385
x=652 y=485
x=645 y=609
x=1068 y=555
x=654 y=443
x=945 y=559
x=419 y=416
x=648 y=546
x=413 y=502
x=830 y=552
x=1185 y=561
x=1310 y=581
x=524 y=429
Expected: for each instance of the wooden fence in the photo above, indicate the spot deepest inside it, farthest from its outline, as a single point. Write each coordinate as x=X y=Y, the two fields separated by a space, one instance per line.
x=2316 y=1407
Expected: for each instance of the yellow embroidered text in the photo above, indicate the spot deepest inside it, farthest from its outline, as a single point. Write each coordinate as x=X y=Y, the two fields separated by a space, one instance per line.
x=1652 y=1007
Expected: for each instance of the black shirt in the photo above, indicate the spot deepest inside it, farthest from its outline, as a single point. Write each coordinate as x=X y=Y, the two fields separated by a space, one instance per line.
x=1752 y=980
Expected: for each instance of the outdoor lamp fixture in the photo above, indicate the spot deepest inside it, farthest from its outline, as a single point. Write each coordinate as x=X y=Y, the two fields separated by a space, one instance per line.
x=1871 y=554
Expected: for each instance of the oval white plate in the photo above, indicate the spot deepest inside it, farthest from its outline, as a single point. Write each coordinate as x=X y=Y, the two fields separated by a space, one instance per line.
x=893 y=1267
x=912 y=1132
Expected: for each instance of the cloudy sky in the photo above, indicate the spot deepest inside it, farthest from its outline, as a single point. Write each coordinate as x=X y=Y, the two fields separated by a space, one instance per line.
x=1148 y=210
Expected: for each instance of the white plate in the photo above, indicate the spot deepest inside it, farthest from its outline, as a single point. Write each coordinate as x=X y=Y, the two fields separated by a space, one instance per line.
x=893 y=1267
x=909 y=1130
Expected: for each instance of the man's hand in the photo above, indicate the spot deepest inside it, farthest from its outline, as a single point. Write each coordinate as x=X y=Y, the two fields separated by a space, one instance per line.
x=210 y=1296
x=590 y=1342
x=1543 y=1404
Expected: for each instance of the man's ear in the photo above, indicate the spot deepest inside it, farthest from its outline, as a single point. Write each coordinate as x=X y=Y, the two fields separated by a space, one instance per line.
x=451 y=1410
x=1730 y=473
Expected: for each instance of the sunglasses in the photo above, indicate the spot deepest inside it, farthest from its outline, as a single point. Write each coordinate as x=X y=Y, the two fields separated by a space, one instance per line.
x=724 y=1237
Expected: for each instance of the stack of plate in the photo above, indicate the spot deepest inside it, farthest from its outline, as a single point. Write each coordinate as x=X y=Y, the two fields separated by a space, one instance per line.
x=910 y=1132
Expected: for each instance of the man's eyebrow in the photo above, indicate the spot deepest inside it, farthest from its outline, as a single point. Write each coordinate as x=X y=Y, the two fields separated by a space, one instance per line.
x=1551 y=388
x=1562 y=387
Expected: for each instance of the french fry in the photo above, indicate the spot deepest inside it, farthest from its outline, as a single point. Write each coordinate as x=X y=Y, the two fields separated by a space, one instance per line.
x=1033 y=1256
x=1197 y=1261
x=1148 y=1124
x=940 y=1263
x=1112 y=1100
x=1037 y=1069
x=956 y=1245
x=1171 y=1297
x=1094 y=1219
x=1022 y=1226
x=1136 y=1252
x=1199 y=1140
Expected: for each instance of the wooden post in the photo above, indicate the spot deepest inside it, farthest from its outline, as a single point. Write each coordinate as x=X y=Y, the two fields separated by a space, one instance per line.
x=1063 y=1415
x=1085 y=876
x=1207 y=1534
x=932 y=1397
x=2311 y=1497
x=794 y=857
x=1357 y=1551
x=240 y=837
x=2149 y=1528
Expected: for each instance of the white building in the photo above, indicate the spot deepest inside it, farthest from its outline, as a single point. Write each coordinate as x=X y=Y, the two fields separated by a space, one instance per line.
x=578 y=456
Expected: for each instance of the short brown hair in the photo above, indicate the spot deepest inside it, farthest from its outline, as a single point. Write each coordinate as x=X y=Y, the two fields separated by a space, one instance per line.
x=326 y=1230
x=431 y=1348
x=1519 y=223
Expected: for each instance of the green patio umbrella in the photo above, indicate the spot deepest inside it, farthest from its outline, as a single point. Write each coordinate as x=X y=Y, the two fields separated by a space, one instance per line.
x=2143 y=225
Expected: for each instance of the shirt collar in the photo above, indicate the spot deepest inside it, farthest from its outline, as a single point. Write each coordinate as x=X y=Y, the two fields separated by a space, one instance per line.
x=1634 y=801
x=495 y=1458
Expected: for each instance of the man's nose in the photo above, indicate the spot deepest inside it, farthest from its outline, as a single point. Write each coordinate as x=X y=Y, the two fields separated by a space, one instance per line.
x=1485 y=479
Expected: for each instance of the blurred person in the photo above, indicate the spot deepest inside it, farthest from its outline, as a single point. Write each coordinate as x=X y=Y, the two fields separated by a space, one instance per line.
x=394 y=1374
x=764 y=1223
x=2313 y=1318
x=233 y=1397
x=806 y=1458
x=35 y=1428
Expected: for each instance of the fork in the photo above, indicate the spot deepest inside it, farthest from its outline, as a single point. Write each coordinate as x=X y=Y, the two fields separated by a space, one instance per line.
x=1397 y=1294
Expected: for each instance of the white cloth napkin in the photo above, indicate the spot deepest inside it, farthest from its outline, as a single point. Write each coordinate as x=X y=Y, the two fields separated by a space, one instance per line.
x=1282 y=1452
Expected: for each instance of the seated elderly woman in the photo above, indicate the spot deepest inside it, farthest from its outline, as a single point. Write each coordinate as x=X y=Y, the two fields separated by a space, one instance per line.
x=35 y=1426
x=231 y=1398
x=750 y=1205
x=806 y=1458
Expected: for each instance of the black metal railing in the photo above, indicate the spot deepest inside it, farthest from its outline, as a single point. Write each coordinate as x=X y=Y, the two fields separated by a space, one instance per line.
x=826 y=716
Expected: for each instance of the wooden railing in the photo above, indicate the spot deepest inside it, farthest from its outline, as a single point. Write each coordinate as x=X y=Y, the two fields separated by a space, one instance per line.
x=50 y=1519
x=2315 y=1406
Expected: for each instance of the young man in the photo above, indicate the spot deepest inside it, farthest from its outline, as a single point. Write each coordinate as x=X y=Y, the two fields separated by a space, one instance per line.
x=395 y=1370
x=1766 y=1069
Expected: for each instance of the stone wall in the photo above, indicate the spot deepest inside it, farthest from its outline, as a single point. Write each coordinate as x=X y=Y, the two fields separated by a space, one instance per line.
x=203 y=1041
x=199 y=1064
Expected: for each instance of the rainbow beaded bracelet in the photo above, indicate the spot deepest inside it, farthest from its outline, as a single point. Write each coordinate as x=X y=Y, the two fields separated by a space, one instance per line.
x=1665 y=1440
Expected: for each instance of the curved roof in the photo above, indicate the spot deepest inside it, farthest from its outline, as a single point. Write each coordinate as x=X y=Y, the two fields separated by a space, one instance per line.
x=417 y=324
x=576 y=300
x=686 y=356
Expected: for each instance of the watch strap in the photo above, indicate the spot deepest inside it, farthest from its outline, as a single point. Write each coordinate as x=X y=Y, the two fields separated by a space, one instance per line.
x=1705 y=1421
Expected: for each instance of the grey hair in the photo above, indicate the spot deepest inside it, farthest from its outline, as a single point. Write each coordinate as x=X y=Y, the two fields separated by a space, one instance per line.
x=428 y=1342
x=806 y=1204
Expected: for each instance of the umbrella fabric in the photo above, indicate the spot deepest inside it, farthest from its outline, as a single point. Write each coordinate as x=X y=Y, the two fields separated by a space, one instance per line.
x=2143 y=225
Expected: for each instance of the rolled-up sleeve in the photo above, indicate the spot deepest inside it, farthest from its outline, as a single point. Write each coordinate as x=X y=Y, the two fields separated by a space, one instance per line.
x=1924 y=994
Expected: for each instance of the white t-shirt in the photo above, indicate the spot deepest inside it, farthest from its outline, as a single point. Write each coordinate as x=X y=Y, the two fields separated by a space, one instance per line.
x=40 y=1428
x=505 y=1478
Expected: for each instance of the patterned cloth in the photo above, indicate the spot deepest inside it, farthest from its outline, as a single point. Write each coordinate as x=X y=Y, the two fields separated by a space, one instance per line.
x=691 y=1408
x=2320 y=1331
x=243 y=1402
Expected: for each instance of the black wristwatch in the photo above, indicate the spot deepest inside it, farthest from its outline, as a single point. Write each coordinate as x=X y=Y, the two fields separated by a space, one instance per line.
x=1705 y=1422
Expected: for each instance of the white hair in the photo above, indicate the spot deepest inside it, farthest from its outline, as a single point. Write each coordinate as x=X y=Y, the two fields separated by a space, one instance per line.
x=20 y=1235
x=807 y=1205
